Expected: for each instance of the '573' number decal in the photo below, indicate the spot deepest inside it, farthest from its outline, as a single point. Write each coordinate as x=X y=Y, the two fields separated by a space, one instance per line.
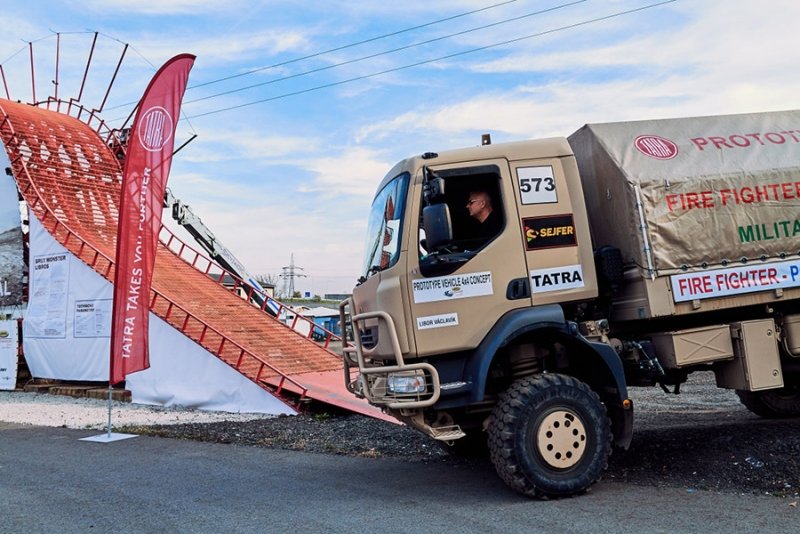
x=537 y=185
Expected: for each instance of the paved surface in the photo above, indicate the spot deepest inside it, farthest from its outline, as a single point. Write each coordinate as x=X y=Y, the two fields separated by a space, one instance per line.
x=51 y=482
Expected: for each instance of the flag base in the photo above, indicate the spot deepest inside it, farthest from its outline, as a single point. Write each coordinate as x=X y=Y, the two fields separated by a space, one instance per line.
x=108 y=437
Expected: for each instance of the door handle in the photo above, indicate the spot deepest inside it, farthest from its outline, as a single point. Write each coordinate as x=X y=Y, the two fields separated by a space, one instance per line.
x=518 y=288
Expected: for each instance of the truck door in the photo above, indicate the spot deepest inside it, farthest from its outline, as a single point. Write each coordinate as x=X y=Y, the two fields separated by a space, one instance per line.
x=554 y=225
x=458 y=293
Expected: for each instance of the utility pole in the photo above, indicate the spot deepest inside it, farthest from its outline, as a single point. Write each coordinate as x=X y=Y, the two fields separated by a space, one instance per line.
x=289 y=273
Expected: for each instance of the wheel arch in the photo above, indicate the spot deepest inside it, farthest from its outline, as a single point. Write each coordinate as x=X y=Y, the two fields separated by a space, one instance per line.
x=596 y=364
x=509 y=328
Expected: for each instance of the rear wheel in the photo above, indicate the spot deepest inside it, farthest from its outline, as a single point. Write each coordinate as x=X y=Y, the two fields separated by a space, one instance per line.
x=550 y=436
x=772 y=403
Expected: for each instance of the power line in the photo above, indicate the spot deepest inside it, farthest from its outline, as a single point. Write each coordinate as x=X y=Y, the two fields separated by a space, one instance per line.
x=330 y=50
x=428 y=61
x=351 y=45
x=386 y=52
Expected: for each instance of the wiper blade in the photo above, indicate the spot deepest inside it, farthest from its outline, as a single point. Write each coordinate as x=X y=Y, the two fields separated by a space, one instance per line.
x=372 y=270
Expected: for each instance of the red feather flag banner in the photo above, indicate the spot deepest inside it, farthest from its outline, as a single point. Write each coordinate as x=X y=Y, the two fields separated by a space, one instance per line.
x=147 y=164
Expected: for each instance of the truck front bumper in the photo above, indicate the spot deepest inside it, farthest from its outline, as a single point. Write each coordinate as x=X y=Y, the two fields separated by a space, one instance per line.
x=396 y=386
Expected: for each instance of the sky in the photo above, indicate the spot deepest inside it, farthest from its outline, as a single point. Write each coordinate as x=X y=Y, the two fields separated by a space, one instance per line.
x=299 y=108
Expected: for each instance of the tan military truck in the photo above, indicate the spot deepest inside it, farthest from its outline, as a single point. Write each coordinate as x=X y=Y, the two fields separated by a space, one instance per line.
x=629 y=254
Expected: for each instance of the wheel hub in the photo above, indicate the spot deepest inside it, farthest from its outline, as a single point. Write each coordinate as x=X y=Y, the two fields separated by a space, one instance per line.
x=561 y=439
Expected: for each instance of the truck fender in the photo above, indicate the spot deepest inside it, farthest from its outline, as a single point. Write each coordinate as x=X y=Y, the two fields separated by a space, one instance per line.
x=551 y=318
x=620 y=407
x=510 y=326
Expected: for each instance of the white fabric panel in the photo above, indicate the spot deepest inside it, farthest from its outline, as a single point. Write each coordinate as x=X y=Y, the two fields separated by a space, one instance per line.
x=184 y=374
x=181 y=373
x=51 y=348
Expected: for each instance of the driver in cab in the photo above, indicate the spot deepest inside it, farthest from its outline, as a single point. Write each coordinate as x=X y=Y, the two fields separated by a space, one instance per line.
x=479 y=206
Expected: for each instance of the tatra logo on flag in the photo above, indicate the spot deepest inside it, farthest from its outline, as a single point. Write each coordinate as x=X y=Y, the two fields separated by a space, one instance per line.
x=144 y=180
x=155 y=129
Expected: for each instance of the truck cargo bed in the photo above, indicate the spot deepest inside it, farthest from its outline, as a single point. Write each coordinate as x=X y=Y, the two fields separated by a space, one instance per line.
x=705 y=210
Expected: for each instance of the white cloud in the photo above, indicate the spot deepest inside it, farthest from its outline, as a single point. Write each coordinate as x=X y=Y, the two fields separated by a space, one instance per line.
x=707 y=40
x=220 y=49
x=322 y=223
x=217 y=143
x=165 y=7
x=356 y=171
x=702 y=68
x=264 y=236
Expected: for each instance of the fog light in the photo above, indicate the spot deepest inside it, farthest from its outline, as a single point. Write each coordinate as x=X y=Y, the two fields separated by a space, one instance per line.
x=406 y=383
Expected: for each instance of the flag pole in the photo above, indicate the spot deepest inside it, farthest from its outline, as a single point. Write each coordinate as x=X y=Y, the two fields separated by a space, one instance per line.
x=109 y=436
x=144 y=179
x=109 y=409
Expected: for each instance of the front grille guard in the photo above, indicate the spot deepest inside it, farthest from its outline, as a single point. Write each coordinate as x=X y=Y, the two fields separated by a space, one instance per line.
x=371 y=381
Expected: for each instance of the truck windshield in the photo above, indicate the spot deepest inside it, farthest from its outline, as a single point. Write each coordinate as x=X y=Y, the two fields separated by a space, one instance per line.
x=385 y=222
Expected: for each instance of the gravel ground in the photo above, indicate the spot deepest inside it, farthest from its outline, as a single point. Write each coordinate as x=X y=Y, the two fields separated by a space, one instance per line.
x=68 y=412
x=702 y=439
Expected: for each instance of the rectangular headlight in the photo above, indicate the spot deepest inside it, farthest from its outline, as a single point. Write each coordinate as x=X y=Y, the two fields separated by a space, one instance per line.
x=406 y=383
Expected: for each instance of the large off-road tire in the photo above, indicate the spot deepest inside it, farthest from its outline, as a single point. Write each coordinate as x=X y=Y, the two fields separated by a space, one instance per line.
x=772 y=403
x=550 y=436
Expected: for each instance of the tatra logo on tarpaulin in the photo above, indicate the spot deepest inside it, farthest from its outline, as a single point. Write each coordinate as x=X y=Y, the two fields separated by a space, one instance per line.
x=656 y=146
x=662 y=148
x=155 y=129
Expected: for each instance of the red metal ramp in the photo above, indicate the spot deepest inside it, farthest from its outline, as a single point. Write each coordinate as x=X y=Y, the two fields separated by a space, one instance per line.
x=327 y=385
x=70 y=176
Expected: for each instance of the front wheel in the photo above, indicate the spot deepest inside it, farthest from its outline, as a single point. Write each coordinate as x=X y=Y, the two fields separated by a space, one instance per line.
x=772 y=403
x=550 y=436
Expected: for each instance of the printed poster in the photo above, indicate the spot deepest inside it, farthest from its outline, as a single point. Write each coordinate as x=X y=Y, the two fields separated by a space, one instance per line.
x=8 y=354
x=92 y=318
x=47 y=310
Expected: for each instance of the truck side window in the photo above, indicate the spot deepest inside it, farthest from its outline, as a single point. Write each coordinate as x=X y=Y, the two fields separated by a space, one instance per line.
x=476 y=207
x=476 y=214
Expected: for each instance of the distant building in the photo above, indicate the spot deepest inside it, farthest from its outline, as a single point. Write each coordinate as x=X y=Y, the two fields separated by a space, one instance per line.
x=321 y=316
x=337 y=296
x=326 y=318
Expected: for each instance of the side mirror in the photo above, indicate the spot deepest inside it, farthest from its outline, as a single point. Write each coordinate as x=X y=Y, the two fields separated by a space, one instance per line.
x=433 y=187
x=438 y=227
